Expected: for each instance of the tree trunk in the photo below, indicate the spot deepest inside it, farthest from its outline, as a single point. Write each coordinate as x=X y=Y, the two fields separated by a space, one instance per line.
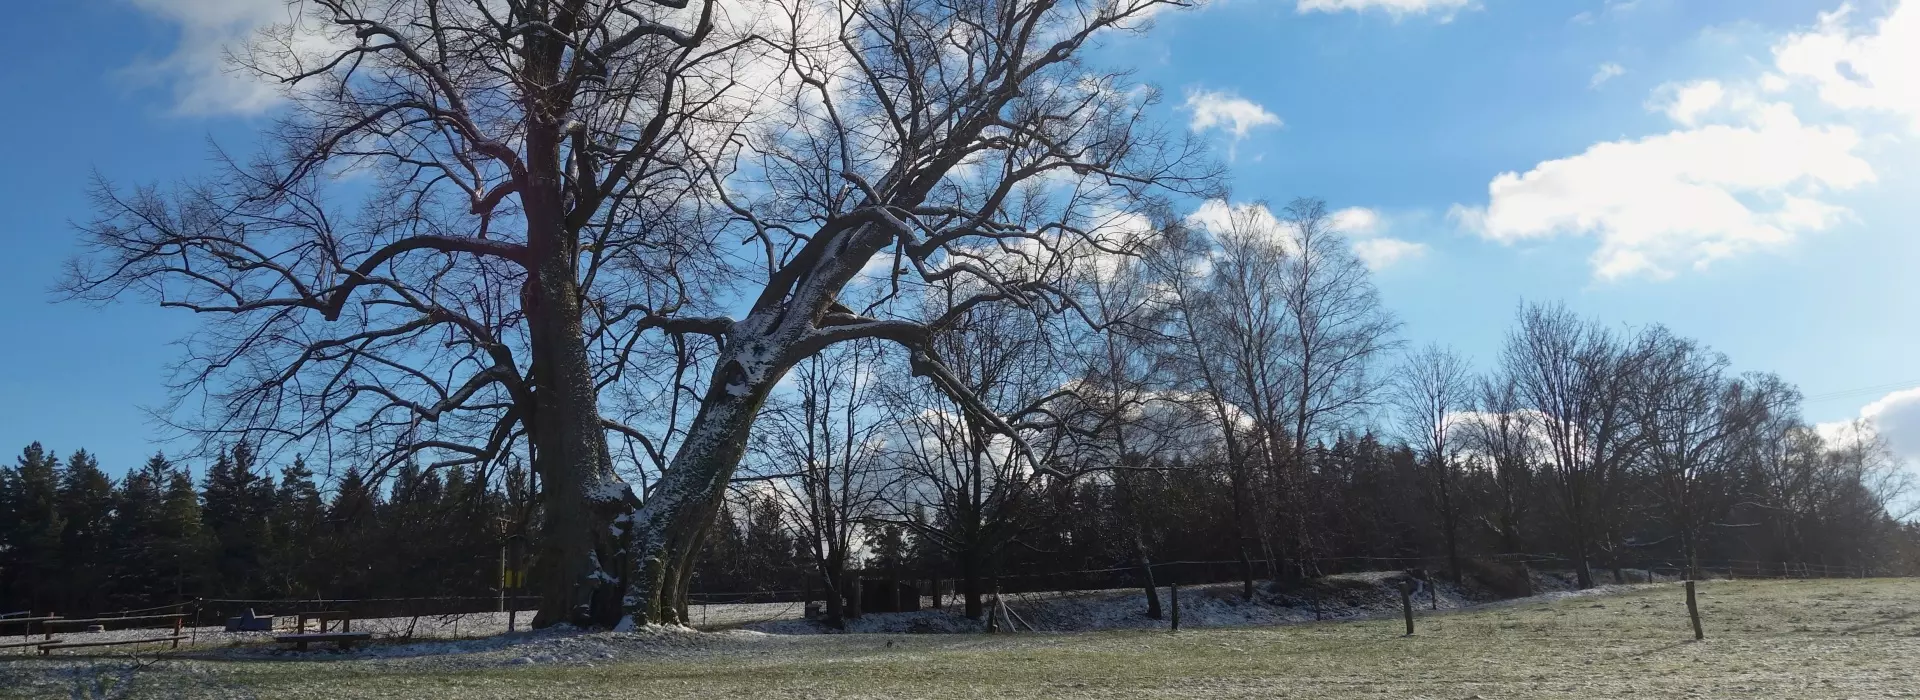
x=1582 y=572
x=970 y=586
x=579 y=568
x=1153 y=593
x=668 y=528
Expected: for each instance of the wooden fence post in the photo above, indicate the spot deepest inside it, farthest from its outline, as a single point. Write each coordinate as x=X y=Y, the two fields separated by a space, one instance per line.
x=1406 y=605
x=1693 y=611
x=1176 y=606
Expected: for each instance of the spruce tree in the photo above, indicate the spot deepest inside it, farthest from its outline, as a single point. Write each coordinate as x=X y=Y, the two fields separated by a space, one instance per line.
x=296 y=515
x=138 y=563
x=86 y=515
x=236 y=499
x=32 y=527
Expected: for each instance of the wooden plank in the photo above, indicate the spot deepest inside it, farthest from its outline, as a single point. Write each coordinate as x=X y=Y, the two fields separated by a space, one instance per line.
x=344 y=640
x=14 y=620
x=34 y=643
x=97 y=620
x=44 y=647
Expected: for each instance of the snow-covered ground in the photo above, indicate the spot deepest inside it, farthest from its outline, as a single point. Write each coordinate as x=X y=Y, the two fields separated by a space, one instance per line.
x=1339 y=597
x=1342 y=597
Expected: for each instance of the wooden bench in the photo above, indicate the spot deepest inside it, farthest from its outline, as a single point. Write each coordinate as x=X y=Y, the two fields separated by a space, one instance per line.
x=344 y=640
x=343 y=617
x=46 y=648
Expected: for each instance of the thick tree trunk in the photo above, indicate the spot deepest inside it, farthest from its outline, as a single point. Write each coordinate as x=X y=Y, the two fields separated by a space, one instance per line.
x=1582 y=570
x=669 y=527
x=970 y=587
x=579 y=572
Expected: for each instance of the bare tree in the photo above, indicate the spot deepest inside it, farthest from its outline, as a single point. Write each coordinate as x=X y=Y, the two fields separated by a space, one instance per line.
x=1224 y=331
x=423 y=256
x=1337 y=329
x=1574 y=375
x=961 y=486
x=1432 y=390
x=555 y=180
x=822 y=452
x=1691 y=417
x=964 y=148
x=1503 y=435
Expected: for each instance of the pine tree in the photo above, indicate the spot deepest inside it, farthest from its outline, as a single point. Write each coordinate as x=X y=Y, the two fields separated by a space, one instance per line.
x=297 y=517
x=183 y=538
x=30 y=515
x=139 y=564
x=350 y=529
x=236 y=501
x=86 y=515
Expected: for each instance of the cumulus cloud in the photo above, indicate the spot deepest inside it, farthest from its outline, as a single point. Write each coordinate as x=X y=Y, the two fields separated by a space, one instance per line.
x=1217 y=216
x=1606 y=72
x=1876 y=69
x=1894 y=417
x=1357 y=221
x=1685 y=198
x=1687 y=103
x=1362 y=225
x=1216 y=109
x=1741 y=172
x=1397 y=8
x=1382 y=253
x=1377 y=251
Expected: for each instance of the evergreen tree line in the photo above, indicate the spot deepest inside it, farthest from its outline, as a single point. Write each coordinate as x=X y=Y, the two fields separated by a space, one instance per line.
x=75 y=541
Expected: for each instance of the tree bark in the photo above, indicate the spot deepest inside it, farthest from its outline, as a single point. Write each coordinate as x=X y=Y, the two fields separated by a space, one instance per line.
x=970 y=586
x=579 y=569
x=668 y=528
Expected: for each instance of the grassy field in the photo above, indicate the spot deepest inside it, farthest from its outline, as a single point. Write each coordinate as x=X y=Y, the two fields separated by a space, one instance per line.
x=1802 y=639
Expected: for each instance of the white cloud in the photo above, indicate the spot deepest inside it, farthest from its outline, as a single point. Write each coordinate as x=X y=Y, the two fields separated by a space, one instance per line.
x=1742 y=172
x=1215 y=109
x=1606 y=72
x=1686 y=103
x=197 y=70
x=1382 y=253
x=1218 y=217
x=1877 y=70
x=1689 y=197
x=1357 y=221
x=1398 y=8
x=1894 y=417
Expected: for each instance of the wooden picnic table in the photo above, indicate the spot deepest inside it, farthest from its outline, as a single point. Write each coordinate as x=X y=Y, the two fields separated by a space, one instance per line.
x=343 y=617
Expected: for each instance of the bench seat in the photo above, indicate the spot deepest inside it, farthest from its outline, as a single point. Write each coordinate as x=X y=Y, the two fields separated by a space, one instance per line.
x=345 y=640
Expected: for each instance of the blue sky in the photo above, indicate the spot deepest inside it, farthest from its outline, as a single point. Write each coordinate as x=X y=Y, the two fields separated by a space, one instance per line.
x=1737 y=169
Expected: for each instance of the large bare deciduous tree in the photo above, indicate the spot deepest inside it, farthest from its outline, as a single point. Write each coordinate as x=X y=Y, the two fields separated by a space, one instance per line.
x=958 y=152
x=459 y=201
x=1576 y=377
